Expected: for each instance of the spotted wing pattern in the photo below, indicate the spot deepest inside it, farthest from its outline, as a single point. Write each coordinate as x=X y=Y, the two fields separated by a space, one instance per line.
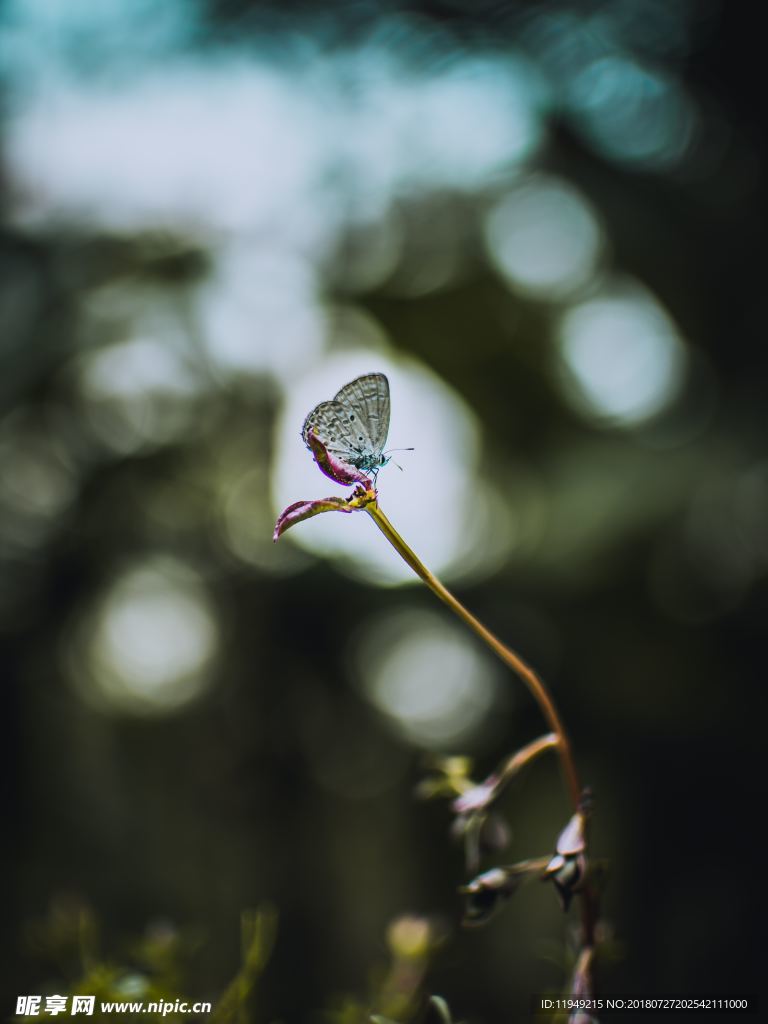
x=354 y=426
x=367 y=399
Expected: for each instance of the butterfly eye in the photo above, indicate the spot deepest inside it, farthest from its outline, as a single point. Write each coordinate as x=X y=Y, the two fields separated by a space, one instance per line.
x=351 y=416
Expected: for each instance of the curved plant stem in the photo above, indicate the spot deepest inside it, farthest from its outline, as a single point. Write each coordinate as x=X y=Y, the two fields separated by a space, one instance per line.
x=535 y=685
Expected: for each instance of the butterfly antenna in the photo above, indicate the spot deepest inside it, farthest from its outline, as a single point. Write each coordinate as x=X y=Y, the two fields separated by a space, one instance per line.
x=390 y=450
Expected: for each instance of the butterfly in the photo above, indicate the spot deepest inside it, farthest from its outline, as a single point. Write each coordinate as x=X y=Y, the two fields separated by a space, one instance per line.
x=354 y=425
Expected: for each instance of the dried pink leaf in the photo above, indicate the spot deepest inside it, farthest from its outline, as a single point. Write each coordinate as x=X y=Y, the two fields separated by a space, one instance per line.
x=335 y=468
x=301 y=510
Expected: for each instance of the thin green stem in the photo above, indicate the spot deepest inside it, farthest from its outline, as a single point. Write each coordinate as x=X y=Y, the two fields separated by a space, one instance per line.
x=508 y=656
x=535 y=685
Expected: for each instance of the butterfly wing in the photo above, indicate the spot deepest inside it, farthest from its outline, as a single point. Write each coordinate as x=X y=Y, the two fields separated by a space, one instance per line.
x=328 y=421
x=365 y=403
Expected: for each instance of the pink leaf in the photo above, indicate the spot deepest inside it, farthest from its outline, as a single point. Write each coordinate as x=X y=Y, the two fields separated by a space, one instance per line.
x=335 y=468
x=301 y=510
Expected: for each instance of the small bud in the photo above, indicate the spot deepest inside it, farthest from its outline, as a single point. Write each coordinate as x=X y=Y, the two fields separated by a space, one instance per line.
x=567 y=869
x=572 y=839
x=410 y=937
x=567 y=874
x=486 y=893
x=475 y=799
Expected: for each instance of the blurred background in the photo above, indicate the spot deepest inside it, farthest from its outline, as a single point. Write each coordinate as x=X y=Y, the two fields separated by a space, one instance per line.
x=544 y=222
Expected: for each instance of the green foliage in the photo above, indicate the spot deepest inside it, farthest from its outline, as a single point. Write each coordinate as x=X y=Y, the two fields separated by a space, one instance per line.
x=258 y=930
x=156 y=968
